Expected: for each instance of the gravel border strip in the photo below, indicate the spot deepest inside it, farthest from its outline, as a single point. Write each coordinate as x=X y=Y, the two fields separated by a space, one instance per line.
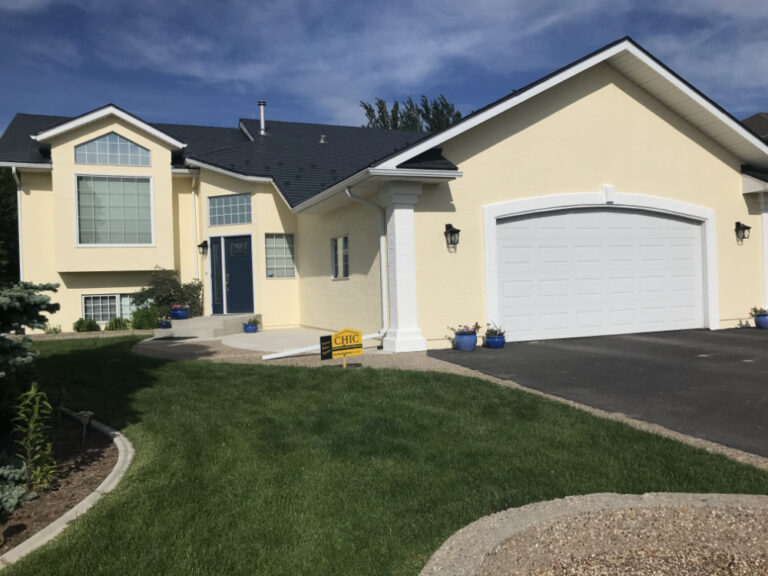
x=469 y=550
x=125 y=453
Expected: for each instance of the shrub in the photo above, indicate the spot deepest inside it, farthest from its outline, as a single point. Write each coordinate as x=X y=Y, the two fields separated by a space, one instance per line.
x=32 y=430
x=145 y=318
x=165 y=289
x=13 y=479
x=50 y=329
x=86 y=325
x=117 y=324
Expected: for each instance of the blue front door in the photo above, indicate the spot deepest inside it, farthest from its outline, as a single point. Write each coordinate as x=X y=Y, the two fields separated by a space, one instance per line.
x=232 y=275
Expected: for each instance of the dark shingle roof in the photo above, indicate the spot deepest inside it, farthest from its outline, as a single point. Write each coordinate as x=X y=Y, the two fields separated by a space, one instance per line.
x=291 y=153
x=758 y=124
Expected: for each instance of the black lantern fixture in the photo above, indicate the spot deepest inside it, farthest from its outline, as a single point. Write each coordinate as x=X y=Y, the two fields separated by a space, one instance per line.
x=202 y=248
x=451 y=236
x=742 y=231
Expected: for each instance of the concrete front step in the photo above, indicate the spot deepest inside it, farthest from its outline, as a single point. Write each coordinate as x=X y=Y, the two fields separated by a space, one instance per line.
x=204 y=326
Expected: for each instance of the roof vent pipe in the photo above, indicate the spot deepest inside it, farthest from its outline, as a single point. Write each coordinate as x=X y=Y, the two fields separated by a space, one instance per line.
x=262 y=127
x=322 y=138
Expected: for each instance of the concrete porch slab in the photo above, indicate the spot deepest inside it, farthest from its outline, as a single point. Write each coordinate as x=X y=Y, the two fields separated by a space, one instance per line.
x=275 y=339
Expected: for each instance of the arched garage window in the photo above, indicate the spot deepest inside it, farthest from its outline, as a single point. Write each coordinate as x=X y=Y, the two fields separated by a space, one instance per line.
x=112 y=149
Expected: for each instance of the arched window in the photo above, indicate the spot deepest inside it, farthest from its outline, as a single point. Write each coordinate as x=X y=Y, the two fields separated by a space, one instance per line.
x=112 y=149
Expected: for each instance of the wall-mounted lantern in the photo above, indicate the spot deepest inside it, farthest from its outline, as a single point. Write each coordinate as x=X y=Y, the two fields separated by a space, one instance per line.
x=451 y=237
x=202 y=248
x=742 y=231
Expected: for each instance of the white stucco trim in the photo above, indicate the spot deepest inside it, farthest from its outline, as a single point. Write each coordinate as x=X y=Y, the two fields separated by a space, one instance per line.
x=108 y=110
x=607 y=198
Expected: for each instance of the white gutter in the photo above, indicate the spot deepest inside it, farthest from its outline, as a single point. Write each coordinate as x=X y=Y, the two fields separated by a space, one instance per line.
x=382 y=257
x=27 y=165
x=194 y=226
x=17 y=178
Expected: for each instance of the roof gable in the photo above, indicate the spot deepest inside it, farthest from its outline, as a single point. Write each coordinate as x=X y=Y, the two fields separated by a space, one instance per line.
x=641 y=67
x=105 y=111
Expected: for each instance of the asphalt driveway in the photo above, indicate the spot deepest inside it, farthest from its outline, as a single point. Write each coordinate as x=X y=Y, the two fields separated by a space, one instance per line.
x=709 y=384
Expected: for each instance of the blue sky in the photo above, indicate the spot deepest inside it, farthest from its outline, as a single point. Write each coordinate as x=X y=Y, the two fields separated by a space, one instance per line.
x=210 y=62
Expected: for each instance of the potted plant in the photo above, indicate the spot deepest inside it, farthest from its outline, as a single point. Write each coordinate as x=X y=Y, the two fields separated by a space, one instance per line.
x=252 y=325
x=164 y=323
x=465 y=336
x=761 y=317
x=494 y=336
x=179 y=311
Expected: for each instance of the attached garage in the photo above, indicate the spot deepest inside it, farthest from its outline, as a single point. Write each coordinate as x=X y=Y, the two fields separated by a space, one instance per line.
x=599 y=271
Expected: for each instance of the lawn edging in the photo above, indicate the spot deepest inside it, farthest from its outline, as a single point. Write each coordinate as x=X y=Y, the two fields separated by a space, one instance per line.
x=125 y=453
x=479 y=548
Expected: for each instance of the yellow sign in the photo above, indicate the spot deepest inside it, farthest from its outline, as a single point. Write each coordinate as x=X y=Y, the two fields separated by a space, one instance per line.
x=341 y=344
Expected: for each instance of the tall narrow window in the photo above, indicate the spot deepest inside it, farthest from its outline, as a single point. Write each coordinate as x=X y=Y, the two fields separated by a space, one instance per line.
x=340 y=257
x=114 y=210
x=112 y=149
x=281 y=259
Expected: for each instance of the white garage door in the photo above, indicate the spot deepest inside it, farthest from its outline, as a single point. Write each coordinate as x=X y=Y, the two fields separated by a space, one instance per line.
x=599 y=271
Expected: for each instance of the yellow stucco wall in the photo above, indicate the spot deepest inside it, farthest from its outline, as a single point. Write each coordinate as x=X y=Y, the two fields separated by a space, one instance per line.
x=595 y=129
x=336 y=304
x=276 y=299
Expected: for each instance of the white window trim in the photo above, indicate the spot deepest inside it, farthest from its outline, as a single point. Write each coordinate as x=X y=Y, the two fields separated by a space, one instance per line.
x=295 y=267
x=606 y=199
x=337 y=257
x=118 y=307
x=149 y=153
x=151 y=210
x=250 y=199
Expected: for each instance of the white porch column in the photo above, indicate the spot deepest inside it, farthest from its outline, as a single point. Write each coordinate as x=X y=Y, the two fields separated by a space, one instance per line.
x=403 y=334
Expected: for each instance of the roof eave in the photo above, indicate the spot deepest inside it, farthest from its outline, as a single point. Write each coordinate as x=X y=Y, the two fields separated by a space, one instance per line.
x=30 y=166
x=110 y=110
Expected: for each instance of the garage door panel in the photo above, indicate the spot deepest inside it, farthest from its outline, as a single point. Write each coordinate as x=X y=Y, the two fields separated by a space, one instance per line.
x=604 y=271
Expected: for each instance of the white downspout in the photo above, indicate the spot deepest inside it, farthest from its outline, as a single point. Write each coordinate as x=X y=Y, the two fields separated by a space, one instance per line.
x=384 y=290
x=194 y=226
x=17 y=178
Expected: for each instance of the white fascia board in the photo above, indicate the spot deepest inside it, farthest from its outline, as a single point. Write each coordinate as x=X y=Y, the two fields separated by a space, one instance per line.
x=245 y=130
x=212 y=168
x=185 y=171
x=625 y=46
x=26 y=166
x=103 y=113
x=353 y=180
x=416 y=173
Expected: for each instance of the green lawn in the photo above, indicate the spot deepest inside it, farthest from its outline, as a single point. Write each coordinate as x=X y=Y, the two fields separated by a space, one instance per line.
x=289 y=471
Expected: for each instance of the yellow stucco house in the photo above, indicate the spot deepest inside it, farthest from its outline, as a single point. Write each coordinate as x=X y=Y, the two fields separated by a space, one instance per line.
x=608 y=197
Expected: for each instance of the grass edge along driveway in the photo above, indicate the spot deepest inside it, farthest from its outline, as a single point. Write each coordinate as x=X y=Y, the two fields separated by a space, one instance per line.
x=245 y=469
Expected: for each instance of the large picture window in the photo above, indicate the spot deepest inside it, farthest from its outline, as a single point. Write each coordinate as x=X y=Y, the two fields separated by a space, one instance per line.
x=233 y=209
x=114 y=210
x=281 y=260
x=112 y=149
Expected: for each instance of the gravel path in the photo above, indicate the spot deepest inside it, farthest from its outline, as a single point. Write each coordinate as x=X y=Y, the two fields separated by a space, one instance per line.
x=598 y=534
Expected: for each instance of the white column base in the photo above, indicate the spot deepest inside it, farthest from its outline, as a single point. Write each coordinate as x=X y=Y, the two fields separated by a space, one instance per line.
x=409 y=340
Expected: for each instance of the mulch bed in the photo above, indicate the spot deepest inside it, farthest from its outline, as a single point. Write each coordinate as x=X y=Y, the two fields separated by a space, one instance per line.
x=81 y=470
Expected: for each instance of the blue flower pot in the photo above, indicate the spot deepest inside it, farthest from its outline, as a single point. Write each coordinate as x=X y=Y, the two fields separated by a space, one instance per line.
x=495 y=341
x=761 y=321
x=179 y=314
x=164 y=324
x=466 y=341
x=250 y=328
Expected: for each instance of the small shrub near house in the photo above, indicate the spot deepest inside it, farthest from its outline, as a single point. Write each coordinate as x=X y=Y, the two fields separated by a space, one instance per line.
x=117 y=324
x=145 y=318
x=86 y=325
x=166 y=290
